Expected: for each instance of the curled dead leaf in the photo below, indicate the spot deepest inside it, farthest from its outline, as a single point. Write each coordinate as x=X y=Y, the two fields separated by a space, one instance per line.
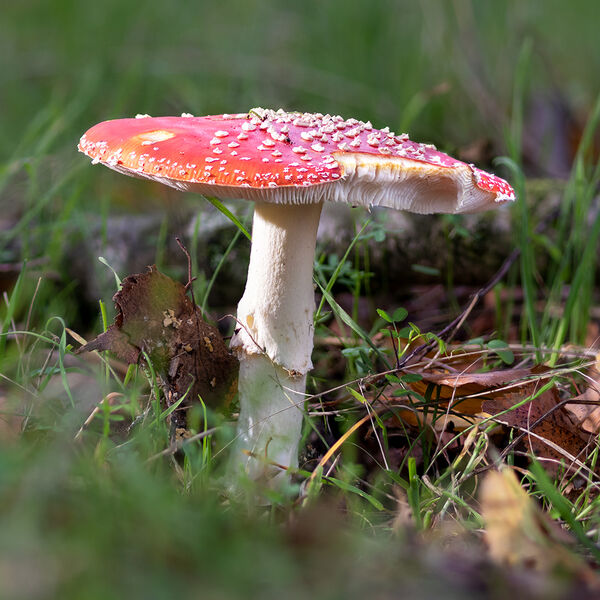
x=455 y=400
x=584 y=410
x=549 y=433
x=156 y=319
x=519 y=534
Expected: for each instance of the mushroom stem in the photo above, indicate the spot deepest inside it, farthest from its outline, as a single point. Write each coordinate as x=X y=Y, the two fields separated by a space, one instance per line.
x=274 y=338
x=270 y=422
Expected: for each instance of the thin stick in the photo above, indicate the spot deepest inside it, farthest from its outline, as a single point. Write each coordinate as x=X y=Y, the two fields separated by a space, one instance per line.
x=179 y=445
x=191 y=279
x=338 y=443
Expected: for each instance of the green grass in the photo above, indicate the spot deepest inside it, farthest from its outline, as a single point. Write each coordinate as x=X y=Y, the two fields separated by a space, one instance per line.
x=105 y=515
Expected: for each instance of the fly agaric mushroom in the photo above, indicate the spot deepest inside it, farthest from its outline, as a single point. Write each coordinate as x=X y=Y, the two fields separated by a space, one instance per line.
x=288 y=163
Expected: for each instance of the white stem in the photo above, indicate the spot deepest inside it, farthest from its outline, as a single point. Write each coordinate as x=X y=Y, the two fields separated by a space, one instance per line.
x=270 y=421
x=274 y=337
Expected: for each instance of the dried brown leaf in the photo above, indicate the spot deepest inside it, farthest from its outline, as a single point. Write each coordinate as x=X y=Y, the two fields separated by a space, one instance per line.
x=156 y=318
x=550 y=433
x=518 y=533
x=585 y=416
x=512 y=529
x=584 y=411
x=553 y=431
x=463 y=393
x=461 y=384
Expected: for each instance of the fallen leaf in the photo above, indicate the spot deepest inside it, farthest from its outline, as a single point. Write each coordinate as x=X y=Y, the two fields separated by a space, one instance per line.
x=519 y=534
x=584 y=411
x=458 y=386
x=457 y=400
x=512 y=527
x=584 y=414
x=554 y=437
x=156 y=319
x=459 y=394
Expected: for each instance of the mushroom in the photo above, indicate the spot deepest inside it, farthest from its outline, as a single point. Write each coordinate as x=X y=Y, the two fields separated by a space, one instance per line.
x=288 y=163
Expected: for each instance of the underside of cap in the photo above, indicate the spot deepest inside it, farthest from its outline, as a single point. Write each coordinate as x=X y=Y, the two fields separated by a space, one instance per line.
x=368 y=181
x=401 y=184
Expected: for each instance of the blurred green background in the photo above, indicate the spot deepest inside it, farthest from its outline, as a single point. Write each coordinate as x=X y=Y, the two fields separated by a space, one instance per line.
x=444 y=71
x=479 y=78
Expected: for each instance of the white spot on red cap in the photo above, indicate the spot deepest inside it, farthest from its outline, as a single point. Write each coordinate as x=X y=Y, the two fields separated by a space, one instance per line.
x=152 y=137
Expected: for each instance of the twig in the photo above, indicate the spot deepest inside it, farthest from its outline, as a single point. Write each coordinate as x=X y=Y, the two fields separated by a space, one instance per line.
x=110 y=398
x=191 y=279
x=531 y=426
x=338 y=443
x=179 y=445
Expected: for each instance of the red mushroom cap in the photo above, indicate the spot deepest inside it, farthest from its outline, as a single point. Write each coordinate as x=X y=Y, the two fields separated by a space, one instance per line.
x=276 y=156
